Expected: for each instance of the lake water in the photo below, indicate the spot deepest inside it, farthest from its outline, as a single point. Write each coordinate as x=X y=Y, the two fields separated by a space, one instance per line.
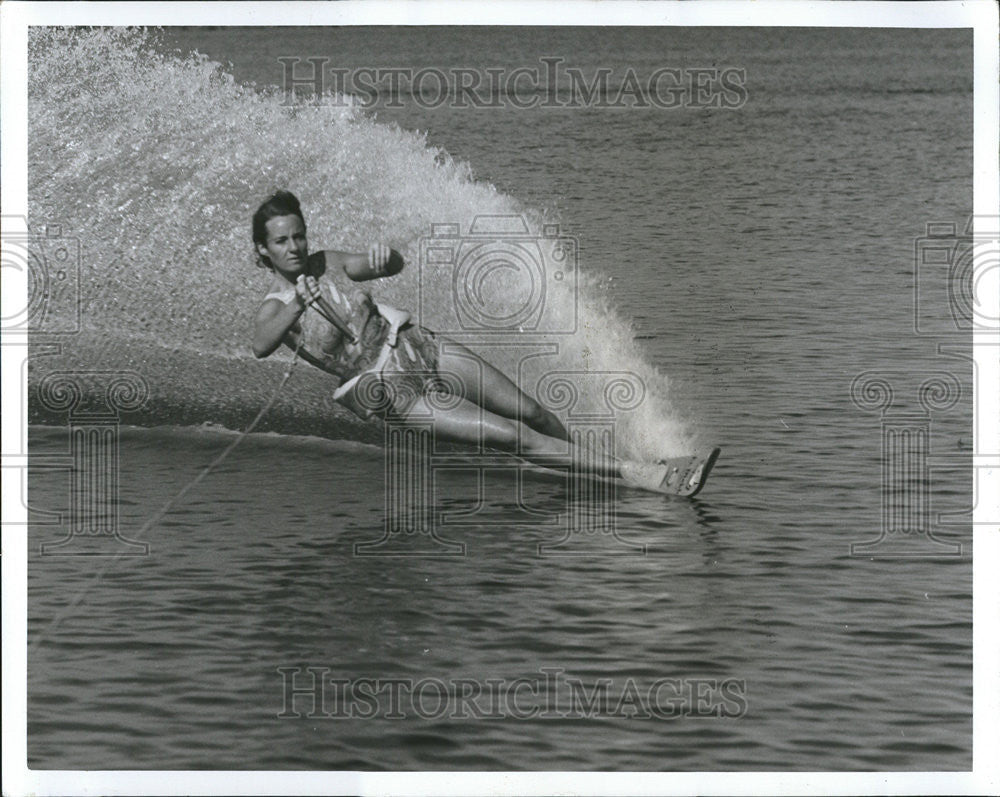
x=743 y=265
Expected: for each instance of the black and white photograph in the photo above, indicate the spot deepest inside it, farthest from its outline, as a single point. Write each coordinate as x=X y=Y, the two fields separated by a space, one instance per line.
x=530 y=398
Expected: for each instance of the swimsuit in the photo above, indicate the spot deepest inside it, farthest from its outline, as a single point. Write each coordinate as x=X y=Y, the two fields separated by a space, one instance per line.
x=392 y=364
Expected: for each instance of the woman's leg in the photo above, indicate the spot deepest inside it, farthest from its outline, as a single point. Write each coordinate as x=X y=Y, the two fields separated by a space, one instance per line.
x=492 y=390
x=475 y=425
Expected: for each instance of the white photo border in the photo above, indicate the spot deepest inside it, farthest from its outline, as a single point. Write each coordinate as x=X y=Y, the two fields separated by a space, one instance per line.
x=978 y=15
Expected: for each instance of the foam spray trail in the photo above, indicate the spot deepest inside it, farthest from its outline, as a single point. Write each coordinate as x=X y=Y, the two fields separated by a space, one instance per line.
x=156 y=162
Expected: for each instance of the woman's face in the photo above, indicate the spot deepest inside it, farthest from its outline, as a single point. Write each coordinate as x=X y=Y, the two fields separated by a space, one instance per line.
x=286 y=246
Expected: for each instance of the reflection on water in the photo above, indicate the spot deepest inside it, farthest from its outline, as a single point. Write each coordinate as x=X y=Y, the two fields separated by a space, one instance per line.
x=167 y=656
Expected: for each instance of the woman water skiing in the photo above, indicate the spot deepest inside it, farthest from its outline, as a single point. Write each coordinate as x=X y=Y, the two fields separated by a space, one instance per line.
x=390 y=367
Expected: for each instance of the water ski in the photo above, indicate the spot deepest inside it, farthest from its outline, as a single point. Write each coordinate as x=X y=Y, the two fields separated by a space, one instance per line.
x=682 y=476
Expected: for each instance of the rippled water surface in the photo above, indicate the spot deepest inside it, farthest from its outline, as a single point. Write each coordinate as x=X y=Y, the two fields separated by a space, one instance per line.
x=764 y=257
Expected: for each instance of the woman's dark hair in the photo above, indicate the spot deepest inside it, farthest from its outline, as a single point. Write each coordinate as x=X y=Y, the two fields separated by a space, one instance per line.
x=283 y=203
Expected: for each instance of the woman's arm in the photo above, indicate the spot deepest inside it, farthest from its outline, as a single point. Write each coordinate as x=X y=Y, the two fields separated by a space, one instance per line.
x=274 y=320
x=378 y=261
